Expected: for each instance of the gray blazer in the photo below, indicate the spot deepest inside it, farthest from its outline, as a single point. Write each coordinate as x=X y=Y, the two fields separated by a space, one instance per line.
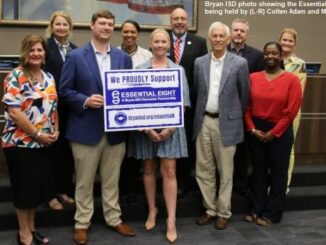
x=233 y=96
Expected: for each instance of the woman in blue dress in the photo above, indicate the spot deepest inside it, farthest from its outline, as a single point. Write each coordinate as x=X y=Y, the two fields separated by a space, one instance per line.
x=163 y=145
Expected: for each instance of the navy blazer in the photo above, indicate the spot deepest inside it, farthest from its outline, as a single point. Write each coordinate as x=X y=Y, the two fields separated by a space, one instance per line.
x=53 y=64
x=54 y=61
x=254 y=57
x=80 y=79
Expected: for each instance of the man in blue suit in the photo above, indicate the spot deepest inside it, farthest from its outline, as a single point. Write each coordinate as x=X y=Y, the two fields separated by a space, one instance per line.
x=221 y=82
x=81 y=87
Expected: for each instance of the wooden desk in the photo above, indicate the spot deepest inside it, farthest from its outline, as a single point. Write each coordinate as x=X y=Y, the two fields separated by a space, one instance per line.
x=310 y=145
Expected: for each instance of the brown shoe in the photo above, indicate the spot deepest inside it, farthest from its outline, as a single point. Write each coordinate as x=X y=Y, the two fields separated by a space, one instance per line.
x=205 y=219
x=221 y=223
x=81 y=236
x=123 y=229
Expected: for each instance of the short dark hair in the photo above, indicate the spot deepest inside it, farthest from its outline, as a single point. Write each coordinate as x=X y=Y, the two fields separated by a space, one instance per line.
x=133 y=22
x=102 y=14
x=278 y=46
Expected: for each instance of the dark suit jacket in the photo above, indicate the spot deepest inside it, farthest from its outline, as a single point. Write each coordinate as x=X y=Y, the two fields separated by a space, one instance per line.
x=54 y=61
x=195 y=46
x=253 y=56
x=81 y=78
x=53 y=64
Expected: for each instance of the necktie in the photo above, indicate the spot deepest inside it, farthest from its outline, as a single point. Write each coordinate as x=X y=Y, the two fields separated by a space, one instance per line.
x=65 y=47
x=177 y=51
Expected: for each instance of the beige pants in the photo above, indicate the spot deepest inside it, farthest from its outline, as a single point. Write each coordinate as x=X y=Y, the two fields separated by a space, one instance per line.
x=88 y=158
x=212 y=155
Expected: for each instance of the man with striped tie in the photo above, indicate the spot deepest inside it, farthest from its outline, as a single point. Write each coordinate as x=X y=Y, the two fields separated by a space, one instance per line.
x=185 y=48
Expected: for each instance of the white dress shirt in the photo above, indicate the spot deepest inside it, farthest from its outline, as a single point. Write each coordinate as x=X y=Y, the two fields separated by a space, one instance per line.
x=216 y=68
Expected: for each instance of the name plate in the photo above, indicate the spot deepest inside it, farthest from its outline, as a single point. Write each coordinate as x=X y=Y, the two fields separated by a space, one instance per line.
x=143 y=99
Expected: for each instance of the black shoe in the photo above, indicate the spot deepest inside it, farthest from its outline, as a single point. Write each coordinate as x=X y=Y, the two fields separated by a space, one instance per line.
x=33 y=242
x=40 y=238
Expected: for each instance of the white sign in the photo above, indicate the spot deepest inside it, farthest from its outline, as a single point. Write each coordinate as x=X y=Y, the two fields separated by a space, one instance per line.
x=142 y=99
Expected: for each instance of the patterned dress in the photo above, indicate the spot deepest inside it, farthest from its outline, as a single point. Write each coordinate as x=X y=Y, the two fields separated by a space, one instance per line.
x=29 y=162
x=38 y=102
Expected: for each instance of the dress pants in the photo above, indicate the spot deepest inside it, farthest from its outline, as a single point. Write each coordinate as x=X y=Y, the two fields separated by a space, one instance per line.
x=270 y=162
x=64 y=160
x=88 y=158
x=241 y=165
x=186 y=165
x=63 y=166
x=212 y=155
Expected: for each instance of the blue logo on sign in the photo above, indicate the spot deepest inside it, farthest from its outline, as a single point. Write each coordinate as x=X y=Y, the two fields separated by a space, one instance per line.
x=120 y=118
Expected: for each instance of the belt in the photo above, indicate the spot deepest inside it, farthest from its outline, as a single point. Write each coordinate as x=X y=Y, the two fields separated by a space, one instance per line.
x=212 y=115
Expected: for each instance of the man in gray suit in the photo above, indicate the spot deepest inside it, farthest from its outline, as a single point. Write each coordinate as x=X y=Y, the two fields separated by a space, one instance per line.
x=221 y=82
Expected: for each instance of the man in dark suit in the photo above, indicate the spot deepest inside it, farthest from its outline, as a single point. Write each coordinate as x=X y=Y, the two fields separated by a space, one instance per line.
x=238 y=46
x=81 y=87
x=191 y=47
x=221 y=82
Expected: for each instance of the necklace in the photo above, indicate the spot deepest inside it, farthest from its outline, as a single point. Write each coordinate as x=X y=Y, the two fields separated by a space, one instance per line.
x=37 y=77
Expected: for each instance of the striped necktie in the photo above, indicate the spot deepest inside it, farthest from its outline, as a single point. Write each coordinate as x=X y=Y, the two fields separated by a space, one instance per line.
x=177 y=51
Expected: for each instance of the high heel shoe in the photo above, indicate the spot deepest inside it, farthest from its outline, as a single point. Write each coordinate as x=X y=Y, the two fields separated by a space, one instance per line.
x=263 y=221
x=54 y=204
x=40 y=238
x=65 y=199
x=171 y=237
x=250 y=218
x=19 y=242
x=150 y=224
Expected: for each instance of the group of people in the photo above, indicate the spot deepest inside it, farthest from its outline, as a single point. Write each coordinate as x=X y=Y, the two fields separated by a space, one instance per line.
x=54 y=123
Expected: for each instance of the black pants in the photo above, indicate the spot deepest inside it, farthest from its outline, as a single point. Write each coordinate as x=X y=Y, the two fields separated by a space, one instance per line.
x=270 y=162
x=186 y=165
x=241 y=165
x=63 y=165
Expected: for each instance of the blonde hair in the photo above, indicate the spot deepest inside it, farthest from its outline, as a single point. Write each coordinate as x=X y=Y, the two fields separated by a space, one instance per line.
x=160 y=30
x=290 y=31
x=49 y=29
